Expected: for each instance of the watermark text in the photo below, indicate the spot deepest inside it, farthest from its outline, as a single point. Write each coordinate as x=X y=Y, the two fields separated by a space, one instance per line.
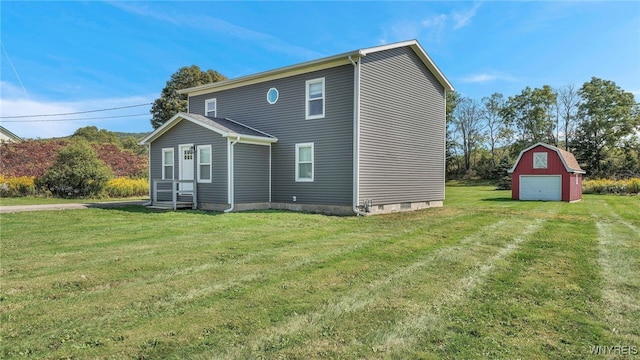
x=614 y=350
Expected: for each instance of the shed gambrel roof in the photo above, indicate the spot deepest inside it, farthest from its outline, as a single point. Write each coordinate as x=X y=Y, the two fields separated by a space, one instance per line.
x=223 y=126
x=568 y=160
x=320 y=64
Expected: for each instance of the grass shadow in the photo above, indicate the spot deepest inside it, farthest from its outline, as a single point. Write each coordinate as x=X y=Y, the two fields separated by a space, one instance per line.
x=498 y=199
x=140 y=209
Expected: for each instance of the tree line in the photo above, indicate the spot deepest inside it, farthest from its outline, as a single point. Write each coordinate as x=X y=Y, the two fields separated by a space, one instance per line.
x=598 y=122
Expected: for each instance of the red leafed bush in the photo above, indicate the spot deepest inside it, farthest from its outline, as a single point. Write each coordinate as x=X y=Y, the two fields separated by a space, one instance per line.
x=35 y=157
x=29 y=158
x=122 y=162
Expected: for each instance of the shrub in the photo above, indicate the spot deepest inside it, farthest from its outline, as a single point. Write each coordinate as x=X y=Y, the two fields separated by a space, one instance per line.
x=123 y=162
x=29 y=158
x=126 y=187
x=35 y=157
x=504 y=183
x=17 y=186
x=606 y=186
x=634 y=186
x=77 y=172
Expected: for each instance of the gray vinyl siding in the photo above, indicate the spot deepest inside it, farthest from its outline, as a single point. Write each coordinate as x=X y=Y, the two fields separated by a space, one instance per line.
x=402 y=129
x=251 y=175
x=186 y=132
x=332 y=135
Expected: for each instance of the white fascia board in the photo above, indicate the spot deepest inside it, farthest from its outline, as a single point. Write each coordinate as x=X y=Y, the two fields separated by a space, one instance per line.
x=161 y=130
x=510 y=171
x=303 y=68
x=183 y=116
x=174 y=121
x=554 y=149
x=315 y=65
x=390 y=46
x=255 y=140
x=426 y=59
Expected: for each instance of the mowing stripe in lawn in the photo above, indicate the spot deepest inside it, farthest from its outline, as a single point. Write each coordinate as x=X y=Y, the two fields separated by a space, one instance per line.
x=372 y=293
x=339 y=244
x=403 y=336
x=118 y=310
x=319 y=251
x=618 y=245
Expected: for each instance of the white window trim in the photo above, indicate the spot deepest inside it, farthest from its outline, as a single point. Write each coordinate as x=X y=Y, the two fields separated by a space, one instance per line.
x=540 y=156
x=173 y=163
x=277 y=95
x=210 y=163
x=215 y=107
x=297 y=164
x=307 y=100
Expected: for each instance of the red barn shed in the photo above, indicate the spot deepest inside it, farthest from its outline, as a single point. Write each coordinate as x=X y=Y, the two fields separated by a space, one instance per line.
x=544 y=172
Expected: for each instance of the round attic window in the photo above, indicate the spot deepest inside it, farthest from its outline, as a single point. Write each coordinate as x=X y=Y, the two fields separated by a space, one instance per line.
x=272 y=96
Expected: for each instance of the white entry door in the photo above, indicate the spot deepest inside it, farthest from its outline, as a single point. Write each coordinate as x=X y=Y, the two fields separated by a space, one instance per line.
x=186 y=166
x=541 y=187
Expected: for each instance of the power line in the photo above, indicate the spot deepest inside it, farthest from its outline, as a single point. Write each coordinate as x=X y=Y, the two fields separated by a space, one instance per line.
x=79 y=119
x=74 y=113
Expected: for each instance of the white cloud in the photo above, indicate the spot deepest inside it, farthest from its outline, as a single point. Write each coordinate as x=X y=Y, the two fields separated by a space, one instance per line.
x=432 y=27
x=435 y=21
x=435 y=25
x=13 y=102
x=463 y=19
x=488 y=77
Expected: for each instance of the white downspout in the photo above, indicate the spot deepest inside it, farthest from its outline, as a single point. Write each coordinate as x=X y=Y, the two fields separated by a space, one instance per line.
x=270 y=144
x=356 y=135
x=150 y=202
x=230 y=178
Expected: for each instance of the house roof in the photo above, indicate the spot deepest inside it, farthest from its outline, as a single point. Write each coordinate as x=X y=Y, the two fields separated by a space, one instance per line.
x=9 y=134
x=223 y=126
x=320 y=64
x=568 y=160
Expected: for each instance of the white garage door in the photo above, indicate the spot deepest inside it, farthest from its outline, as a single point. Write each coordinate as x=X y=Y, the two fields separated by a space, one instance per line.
x=541 y=187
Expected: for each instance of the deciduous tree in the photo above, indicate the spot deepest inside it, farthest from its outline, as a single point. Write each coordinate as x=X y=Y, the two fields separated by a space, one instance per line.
x=568 y=101
x=94 y=135
x=495 y=125
x=531 y=114
x=608 y=118
x=170 y=102
x=453 y=99
x=467 y=121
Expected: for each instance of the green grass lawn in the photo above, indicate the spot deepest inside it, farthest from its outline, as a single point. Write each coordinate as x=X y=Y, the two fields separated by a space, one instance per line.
x=482 y=277
x=15 y=201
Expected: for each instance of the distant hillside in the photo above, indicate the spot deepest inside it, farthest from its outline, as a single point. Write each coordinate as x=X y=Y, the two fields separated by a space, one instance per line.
x=137 y=135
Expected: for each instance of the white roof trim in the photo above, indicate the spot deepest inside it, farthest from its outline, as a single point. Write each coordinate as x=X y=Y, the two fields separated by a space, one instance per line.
x=319 y=64
x=184 y=116
x=555 y=149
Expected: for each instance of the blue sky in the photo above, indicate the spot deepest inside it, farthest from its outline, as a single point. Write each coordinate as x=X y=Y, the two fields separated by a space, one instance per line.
x=65 y=57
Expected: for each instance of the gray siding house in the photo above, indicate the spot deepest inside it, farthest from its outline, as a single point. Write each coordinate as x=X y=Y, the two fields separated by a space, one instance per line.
x=356 y=133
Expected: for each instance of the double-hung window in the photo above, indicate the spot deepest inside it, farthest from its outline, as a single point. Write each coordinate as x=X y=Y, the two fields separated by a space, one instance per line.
x=204 y=163
x=211 y=107
x=304 y=162
x=167 y=164
x=315 y=96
